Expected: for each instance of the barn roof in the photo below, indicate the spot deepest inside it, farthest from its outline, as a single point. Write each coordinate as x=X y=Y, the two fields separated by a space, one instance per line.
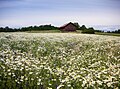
x=67 y=25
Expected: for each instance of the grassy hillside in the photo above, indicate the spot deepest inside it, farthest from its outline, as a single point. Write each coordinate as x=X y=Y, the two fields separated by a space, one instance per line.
x=59 y=61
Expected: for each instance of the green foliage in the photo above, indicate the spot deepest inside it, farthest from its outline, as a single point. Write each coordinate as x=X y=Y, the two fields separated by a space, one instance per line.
x=77 y=25
x=38 y=28
x=30 y=28
x=116 y=31
x=98 y=31
x=7 y=29
x=89 y=31
x=108 y=34
x=83 y=27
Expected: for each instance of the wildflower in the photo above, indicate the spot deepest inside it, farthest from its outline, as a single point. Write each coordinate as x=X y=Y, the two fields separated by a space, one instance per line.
x=9 y=73
x=30 y=72
x=60 y=86
x=38 y=83
x=8 y=70
x=109 y=84
x=1 y=59
x=26 y=78
x=22 y=77
x=21 y=80
x=79 y=59
x=50 y=84
x=39 y=80
x=32 y=79
x=69 y=85
x=99 y=82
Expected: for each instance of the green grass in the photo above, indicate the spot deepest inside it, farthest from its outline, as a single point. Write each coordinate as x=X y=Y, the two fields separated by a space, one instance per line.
x=59 y=61
x=108 y=34
x=45 y=31
x=52 y=31
x=78 y=31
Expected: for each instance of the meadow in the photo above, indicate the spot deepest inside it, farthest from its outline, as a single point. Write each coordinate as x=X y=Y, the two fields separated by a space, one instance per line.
x=59 y=61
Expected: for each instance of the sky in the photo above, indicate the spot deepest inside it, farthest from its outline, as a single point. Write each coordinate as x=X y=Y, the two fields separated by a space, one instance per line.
x=18 y=13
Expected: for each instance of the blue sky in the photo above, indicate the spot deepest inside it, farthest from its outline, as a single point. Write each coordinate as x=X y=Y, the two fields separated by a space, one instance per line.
x=17 y=13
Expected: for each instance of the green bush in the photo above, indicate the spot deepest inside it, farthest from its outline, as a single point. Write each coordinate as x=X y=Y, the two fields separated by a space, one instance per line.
x=89 y=31
x=83 y=27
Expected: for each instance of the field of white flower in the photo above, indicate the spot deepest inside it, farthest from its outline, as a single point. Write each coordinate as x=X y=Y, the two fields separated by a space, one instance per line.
x=59 y=61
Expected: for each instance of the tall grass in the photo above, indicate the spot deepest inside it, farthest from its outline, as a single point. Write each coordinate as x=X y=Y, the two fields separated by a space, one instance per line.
x=59 y=61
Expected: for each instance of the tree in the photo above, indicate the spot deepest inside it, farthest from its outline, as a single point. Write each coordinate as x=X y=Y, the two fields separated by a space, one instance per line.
x=7 y=29
x=77 y=25
x=89 y=31
x=83 y=27
x=30 y=28
x=1 y=29
x=116 y=31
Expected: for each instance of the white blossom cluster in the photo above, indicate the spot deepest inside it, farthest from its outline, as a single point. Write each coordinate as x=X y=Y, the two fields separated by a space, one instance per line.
x=59 y=61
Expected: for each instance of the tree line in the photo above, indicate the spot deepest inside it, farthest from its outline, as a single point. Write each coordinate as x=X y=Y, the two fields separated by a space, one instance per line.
x=30 y=28
x=116 y=31
x=89 y=30
x=83 y=29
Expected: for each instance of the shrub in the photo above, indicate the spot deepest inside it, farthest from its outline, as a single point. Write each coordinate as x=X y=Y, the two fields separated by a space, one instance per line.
x=89 y=31
x=83 y=27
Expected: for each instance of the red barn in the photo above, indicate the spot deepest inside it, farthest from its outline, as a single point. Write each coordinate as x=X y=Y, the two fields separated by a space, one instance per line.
x=70 y=27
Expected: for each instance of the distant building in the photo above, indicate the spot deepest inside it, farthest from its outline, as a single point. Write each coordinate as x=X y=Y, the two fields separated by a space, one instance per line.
x=69 y=27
